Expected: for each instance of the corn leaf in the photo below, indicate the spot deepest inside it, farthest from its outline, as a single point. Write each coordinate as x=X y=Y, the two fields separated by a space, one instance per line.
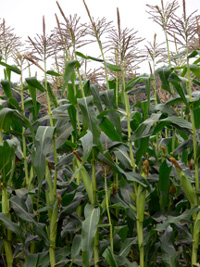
x=43 y=139
x=89 y=228
x=32 y=81
x=168 y=251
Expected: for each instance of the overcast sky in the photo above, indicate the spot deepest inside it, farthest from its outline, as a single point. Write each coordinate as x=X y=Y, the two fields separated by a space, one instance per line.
x=25 y=16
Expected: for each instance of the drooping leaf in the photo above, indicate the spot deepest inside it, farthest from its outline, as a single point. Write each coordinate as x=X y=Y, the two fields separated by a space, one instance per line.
x=9 y=67
x=32 y=81
x=88 y=57
x=20 y=208
x=53 y=73
x=182 y=123
x=168 y=251
x=6 y=87
x=14 y=227
x=164 y=74
x=195 y=69
x=144 y=128
x=112 y=67
x=108 y=128
x=110 y=257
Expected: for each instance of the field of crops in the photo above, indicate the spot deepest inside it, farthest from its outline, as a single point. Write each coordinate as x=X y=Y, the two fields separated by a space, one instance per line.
x=91 y=173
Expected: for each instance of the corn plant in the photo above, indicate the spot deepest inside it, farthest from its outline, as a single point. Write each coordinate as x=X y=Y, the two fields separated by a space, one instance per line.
x=91 y=173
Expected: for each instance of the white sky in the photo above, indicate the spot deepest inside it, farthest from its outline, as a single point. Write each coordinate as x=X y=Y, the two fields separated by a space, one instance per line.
x=25 y=16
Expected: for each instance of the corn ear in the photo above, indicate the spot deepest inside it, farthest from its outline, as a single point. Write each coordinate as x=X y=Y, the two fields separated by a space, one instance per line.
x=188 y=188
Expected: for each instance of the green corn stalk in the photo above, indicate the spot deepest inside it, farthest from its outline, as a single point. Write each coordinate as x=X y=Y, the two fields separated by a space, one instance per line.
x=23 y=130
x=7 y=233
x=140 y=207
x=53 y=218
x=6 y=210
x=193 y=199
x=107 y=197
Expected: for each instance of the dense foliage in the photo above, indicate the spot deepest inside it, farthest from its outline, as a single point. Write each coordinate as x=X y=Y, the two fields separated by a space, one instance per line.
x=90 y=175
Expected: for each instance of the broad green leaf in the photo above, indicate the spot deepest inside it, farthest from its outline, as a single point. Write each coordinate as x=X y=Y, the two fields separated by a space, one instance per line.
x=125 y=248
x=122 y=154
x=69 y=70
x=143 y=145
x=87 y=142
x=88 y=57
x=9 y=67
x=183 y=146
x=186 y=215
x=164 y=74
x=51 y=95
x=194 y=53
x=89 y=228
x=32 y=91
x=76 y=246
x=112 y=67
x=176 y=82
x=110 y=257
x=43 y=139
x=20 y=208
x=179 y=55
x=164 y=183
x=6 y=87
x=108 y=128
x=168 y=251
x=72 y=111
x=145 y=127
x=12 y=103
x=108 y=98
x=165 y=109
x=32 y=81
x=132 y=83
x=53 y=73
x=121 y=230
x=89 y=114
x=7 y=155
x=97 y=100
x=195 y=69
x=85 y=178
x=182 y=123
x=14 y=227
x=31 y=260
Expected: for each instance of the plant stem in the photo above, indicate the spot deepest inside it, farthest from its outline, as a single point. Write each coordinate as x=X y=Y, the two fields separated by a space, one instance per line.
x=107 y=208
x=96 y=238
x=23 y=130
x=7 y=239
